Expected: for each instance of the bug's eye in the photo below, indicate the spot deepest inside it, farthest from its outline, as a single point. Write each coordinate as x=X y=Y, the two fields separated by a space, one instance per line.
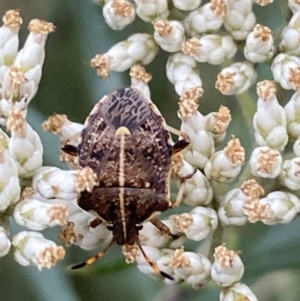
x=110 y=227
x=139 y=227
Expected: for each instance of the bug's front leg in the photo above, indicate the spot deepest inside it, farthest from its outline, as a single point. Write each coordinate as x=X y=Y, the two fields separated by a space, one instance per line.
x=162 y=227
x=68 y=147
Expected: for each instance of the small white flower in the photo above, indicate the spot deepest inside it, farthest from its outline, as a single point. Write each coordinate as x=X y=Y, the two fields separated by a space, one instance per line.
x=211 y=48
x=239 y=19
x=269 y=121
x=118 y=14
x=197 y=190
x=5 y=243
x=182 y=72
x=138 y=48
x=231 y=211
x=283 y=207
x=294 y=5
x=290 y=36
x=31 y=248
x=152 y=236
x=296 y=147
x=9 y=180
x=139 y=79
x=169 y=35
x=282 y=68
x=9 y=39
x=290 y=174
x=152 y=10
x=25 y=145
x=196 y=224
x=191 y=267
x=237 y=291
x=259 y=44
x=227 y=267
x=292 y=112
x=236 y=79
x=186 y=4
x=226 y=164
x=85 y=236
x=207 y=18
x=201 y=146
x=37 y=215
x=265 y=162
x=60 y=125
x=52 y=182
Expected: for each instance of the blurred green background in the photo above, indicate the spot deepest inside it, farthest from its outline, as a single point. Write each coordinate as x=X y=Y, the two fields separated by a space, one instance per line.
x=271 y=254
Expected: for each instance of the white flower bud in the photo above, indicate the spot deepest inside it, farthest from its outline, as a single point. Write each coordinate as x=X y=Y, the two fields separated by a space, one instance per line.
x=216 y=123
x=292 y=112
x=152 y=10
x=138 y=48
x=182 y=72
x=226 y=164
x=211 y=48
x=152 y=236
x=269 y=121
x=282 y=207
x=186 y=4
x=294 y=5
x=237 y=290
x=25 y=145
x=227 y=267
x=37 y=215
x=284 y=68
x=31 y=248
x=231 y=211
x=208 y=18
x=290 y=36
x=296 y=147
x=118 y=14
x=259 y=44
x=239 y=19
x=83 y=234
x=191 y=267
x=18 y=88
x=197 y=190
x=140 y=79
x=265 y=162
x=201 y=146
x=9 y=179
x=290 y=174
x=200 y=149
x=64 y=128
x=9 y=38
x=52 y=182
x=196 y=224
x=5 y=243
x=169 y=35
x=236 y=79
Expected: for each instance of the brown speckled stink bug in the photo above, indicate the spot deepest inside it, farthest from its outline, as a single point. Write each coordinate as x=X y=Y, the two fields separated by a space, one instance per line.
x=127 y=144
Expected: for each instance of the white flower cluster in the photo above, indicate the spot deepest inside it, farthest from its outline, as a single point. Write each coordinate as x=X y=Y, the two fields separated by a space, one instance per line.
x=21 y=151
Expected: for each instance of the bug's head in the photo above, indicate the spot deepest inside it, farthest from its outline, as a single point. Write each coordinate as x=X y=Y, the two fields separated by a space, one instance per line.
x=125 y=232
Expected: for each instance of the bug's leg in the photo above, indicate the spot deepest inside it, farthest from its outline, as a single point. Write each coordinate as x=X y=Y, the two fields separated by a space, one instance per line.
x=69 y=148
x=181 y=144
x=153 y=265
x=181 y=189
x=92 y=259
x=162 y=227
x=96 y=222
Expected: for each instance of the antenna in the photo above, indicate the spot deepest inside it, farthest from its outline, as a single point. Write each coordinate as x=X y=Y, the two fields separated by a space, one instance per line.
x=92 y=259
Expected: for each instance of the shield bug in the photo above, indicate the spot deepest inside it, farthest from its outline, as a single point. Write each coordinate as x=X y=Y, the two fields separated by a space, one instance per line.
x=127 y=143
